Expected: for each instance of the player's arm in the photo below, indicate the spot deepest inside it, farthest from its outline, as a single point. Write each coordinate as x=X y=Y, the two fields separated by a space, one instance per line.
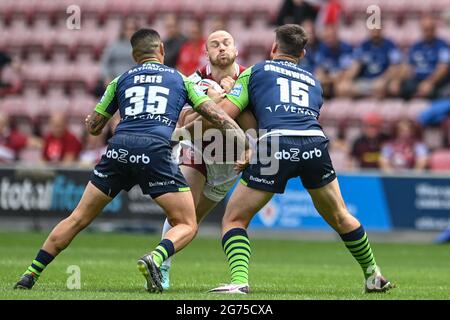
x=96 y=121
x=221 y=120
x=210 y=111
x=233 y=104
x=189 y=115
x=218 y=117
x=247 y=121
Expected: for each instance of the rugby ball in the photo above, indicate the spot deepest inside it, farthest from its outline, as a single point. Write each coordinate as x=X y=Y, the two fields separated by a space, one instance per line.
x=204 y=84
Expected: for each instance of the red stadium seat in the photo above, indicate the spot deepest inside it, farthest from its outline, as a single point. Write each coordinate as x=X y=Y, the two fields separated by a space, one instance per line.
x=433 y=138
x=32 y=90
x=99 y=7
x=30 y=155
x=12 y=105
x=440 y=5
x=255 y=57
x=340 y=159
x=260 y=36
x=6 y=8
x=87 y=73
x=112 y=28
x=336 y=109
x=440 y=160
x=353 y=34
x=48 y=7
x=392 y=109
x=415 y=107
x=172 y=6
x=362 y=107
x=37 y=72
x=26 y=7
x=43 y=36
x=81 y=106
x=66 y=38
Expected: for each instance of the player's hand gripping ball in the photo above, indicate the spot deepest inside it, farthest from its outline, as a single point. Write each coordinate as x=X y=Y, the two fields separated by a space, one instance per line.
x=205 y=84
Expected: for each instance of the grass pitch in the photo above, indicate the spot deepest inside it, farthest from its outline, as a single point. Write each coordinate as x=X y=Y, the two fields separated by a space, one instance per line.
x=279 y=269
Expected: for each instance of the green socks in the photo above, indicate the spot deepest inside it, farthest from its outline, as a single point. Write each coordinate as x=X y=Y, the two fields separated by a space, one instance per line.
x=236 y=246
x=164 y=250
x=358 y=244
x=38 y=265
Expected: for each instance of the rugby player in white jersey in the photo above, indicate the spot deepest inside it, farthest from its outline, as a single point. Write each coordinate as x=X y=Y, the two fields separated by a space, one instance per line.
x=210 y=180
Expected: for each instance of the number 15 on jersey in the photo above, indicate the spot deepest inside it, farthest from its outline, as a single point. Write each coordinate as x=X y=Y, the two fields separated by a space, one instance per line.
x=293 y=92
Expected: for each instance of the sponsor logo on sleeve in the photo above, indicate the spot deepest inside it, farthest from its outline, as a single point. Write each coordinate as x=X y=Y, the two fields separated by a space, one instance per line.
x=236 y=91
x=199 y=91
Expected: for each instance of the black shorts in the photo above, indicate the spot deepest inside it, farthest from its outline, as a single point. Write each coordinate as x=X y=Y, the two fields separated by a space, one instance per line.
x=304 y=157
x=145 y=160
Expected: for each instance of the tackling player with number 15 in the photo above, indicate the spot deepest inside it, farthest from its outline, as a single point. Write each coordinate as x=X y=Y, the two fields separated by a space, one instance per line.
x=286 y=102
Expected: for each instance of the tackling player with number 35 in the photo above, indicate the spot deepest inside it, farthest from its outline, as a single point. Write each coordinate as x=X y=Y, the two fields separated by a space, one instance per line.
x=149 y=98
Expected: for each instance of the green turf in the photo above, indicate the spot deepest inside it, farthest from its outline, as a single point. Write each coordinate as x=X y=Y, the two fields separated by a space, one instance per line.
x=279 y=269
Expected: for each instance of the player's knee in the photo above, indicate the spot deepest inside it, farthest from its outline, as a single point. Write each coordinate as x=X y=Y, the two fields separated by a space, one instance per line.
x=194 y=230
x=190 y=225
x=233 y=218
x=342 y=219
x=77 y=222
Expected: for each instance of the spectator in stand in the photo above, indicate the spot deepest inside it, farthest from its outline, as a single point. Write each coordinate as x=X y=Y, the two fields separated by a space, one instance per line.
x=116 y=58
x=406 y=151
x=93 y=148
x=366 y=149
x=12 y=142
x=295 y=11
x=376 y=64
x=60 y=145
x=333 y=59
x=193 y=52
x=309 y=61
x=10 y=82
x=174 y=40
x=427 y=72
x=329 y=12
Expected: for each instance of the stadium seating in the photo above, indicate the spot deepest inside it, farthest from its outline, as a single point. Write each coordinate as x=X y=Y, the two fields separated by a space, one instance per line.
x=440 y=160
x=63 y=65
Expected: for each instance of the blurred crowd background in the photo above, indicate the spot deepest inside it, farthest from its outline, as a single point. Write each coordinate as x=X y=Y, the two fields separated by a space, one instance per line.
x=387 y=89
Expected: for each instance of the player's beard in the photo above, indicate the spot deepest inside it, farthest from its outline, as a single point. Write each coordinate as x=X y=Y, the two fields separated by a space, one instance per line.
x=223 y=62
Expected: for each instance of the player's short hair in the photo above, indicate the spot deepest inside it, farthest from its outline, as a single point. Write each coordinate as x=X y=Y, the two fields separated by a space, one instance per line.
x=145 y=42
x=291 y=39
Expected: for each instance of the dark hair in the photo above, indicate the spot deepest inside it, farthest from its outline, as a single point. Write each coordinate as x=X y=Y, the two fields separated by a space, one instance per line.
x=145 y=42
x=291 y=39
x=416 y=130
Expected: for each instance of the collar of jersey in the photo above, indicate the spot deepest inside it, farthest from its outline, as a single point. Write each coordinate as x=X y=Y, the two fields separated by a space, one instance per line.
x=285 y=60
x=152 y=62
